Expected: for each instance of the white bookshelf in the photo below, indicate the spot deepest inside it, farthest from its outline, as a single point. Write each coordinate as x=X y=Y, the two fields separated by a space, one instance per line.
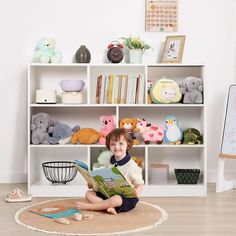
x=48 y=76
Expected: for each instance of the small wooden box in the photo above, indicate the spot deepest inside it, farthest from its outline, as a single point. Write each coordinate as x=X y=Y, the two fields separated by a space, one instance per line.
x=159 y=174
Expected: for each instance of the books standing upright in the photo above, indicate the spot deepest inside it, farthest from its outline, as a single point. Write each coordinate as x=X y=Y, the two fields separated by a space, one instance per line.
x=107 y=181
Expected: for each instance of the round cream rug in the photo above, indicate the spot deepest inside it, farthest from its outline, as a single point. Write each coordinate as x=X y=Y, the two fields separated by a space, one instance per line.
x=143 y=217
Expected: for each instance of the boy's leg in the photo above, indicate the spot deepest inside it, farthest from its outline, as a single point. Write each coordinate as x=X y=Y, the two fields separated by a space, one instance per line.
x=108 y=204
x=91 y=197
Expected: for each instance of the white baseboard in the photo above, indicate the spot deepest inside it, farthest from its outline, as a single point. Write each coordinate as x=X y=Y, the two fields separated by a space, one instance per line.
x=13 y=177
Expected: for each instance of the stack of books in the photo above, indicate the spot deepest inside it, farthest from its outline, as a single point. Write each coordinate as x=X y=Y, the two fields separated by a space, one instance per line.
x=120 y=89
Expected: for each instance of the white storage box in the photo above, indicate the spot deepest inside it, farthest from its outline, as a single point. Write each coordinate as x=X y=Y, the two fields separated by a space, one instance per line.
x=159 y=174
x=46 y=96
x=72 y=97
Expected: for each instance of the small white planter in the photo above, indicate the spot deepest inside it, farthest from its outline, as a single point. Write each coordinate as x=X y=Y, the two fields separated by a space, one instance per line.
x=135 y=56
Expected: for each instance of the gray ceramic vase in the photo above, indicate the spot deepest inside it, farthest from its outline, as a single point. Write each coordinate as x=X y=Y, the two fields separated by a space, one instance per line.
x=83 y=55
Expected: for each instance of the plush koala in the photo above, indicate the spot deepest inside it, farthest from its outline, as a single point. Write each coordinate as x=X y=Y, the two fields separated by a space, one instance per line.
x=41 y=126
x=191 y=88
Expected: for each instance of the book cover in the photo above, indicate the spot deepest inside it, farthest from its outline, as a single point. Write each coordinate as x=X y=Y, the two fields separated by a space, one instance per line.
x=55 y=212
x=108 y=181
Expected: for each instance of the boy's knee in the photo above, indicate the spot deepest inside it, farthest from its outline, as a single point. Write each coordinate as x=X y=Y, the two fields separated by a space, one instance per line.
x=116 y=201
x=89 y=194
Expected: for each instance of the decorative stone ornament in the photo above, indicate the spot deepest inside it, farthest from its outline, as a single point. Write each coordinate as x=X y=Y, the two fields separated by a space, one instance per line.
x=83 y=55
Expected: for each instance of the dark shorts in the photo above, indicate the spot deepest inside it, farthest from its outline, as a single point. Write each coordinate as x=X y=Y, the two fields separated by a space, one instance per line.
x=127 y=203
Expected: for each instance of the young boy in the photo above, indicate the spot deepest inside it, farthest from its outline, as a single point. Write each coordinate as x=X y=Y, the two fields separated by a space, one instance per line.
x=119 y=143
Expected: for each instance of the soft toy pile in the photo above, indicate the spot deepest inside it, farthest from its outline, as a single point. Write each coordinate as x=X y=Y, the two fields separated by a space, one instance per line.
x=46 y=52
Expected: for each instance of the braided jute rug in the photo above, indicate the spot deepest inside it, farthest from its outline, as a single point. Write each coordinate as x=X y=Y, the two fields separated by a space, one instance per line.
x=145 y=216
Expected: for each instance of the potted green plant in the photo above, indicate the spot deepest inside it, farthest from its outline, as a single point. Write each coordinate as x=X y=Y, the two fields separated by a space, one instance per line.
x=136 y=48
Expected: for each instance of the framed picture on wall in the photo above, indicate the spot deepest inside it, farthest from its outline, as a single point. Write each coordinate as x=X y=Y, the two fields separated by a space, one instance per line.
x=173 y=49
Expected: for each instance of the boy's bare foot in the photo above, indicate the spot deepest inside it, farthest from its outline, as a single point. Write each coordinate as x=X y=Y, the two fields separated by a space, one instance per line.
x=111 y=210
x=83 y=206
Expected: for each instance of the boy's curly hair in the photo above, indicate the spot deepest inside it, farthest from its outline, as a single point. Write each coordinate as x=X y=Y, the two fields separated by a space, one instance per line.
x=116 y=134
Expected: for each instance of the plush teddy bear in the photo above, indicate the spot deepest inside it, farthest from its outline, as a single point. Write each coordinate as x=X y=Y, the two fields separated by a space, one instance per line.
x=61 y=133
x=102 y=160
x=108 y=124
x=130 y=124
x=41 y=126
x=191 y=87
x=85 y=136
x=46 y=52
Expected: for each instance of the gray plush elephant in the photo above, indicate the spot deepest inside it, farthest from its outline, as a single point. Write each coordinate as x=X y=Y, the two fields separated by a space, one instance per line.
x=41 y=126
x=191 y=88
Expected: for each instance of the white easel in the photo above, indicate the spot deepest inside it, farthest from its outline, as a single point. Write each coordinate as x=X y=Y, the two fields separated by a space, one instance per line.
x=228 y=143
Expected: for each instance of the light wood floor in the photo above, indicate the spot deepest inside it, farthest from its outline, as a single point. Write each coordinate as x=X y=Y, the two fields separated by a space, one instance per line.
x=214 y=215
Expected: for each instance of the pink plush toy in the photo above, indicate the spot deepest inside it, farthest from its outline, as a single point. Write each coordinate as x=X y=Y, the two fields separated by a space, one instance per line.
x=150 y=133
x=108 y=124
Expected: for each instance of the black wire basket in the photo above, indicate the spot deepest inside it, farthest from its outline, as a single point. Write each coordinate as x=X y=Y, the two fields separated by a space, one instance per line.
x=187 y=176
x=59 y=171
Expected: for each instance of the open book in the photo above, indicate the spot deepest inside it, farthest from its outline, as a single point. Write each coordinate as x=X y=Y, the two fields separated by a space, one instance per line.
x=108 y=181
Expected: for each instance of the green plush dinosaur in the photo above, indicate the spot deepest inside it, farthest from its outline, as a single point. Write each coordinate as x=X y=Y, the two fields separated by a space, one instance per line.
x=192 y=136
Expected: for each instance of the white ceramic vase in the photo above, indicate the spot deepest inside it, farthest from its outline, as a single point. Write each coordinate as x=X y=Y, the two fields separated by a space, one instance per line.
x=135 y=56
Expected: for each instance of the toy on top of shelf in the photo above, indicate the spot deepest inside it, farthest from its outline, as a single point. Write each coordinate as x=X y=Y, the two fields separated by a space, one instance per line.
x=102 y=159
x=61 y=133
x=46 y=52
x=42 y=125
x=192 y=136
x=173 y=134
x=85 y=136
x=130 y=124
x=108 y=124
x=150 y=133
x=165 y=91
x=191 y=88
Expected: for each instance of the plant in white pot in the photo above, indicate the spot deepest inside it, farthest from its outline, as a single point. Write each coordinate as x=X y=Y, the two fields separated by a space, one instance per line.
x=136 y=48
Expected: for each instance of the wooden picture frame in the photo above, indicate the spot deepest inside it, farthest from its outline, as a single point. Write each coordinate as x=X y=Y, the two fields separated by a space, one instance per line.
x=173 y=49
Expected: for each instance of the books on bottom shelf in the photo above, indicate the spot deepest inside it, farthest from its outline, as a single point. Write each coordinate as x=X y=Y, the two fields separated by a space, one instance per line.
x=107 y=181
x=120 y=89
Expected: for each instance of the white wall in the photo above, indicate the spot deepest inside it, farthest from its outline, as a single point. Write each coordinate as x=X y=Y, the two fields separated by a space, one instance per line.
x=208 y=25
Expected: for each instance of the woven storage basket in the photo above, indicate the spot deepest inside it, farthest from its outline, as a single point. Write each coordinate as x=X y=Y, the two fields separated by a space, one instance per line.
x=187 y=176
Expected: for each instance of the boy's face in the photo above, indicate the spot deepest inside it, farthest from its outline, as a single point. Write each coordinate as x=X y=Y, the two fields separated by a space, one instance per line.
x=119 y=147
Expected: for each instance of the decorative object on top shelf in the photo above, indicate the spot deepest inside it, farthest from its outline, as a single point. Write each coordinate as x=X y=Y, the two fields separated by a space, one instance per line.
x=72 y=85
x=115 y=52
x=173 y=134
x=59 y=171
x=73 y=91
x=46 y=52
x=85 y=136
x=62 y=133
x=136 y=48
x=192 y=136
x=150 y=133
x=102 y=160
x=192 y=88
x=108 y=124
x=130 y=124
x=46 y=96
x=173 y=49
x=187 y=176
x=83 y=55
x=149 y=86
x=42 y=125
x=165 y=91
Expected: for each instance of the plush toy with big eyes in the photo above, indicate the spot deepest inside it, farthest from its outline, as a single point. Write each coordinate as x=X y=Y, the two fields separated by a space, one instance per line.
x=115 y=52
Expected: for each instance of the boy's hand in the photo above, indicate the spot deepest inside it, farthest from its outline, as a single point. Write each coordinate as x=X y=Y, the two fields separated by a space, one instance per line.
x=138 y=189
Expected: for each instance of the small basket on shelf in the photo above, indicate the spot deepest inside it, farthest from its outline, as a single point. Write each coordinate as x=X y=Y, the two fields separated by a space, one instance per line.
x=187 y=176
x=59 y=171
